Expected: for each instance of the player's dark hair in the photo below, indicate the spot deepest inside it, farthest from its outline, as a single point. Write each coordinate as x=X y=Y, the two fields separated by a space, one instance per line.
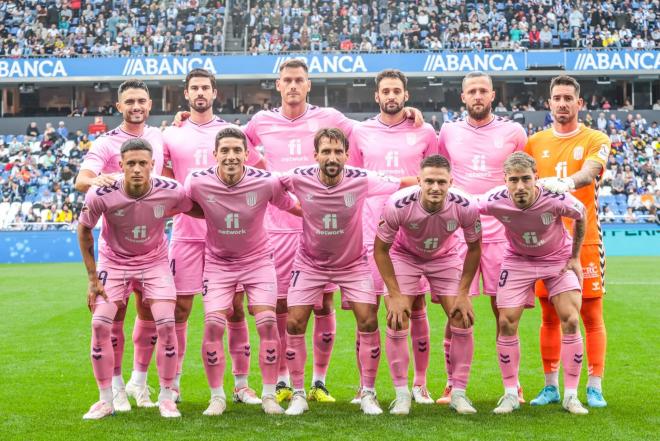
x=436 y=161
x=332 y=134
x=201 y=73
x=294 y=63
x=394 y=74
x=519 y=161
x=565 y=80
x=133 y=83
x=135 y=144
x=230 y=132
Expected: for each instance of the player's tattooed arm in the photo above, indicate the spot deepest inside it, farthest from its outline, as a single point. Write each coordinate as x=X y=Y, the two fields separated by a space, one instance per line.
x=87 y=178
x=573 y=263
x=398 y=310
x=589 y=173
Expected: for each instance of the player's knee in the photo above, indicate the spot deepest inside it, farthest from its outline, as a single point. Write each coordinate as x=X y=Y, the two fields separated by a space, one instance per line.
x=405 y=324
x=507 y=324
x=419 y=304
x=101 y=329
x=238 y=315
x=295 y=325
x=368 y=324
x=570 y=322
x=214 y=327
x=457 y=322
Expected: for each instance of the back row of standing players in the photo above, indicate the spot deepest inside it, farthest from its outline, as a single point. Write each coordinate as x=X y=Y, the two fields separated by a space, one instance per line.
x=390 y=143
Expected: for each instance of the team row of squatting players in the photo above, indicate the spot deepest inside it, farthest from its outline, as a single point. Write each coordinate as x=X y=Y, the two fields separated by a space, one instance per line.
x=237 y=224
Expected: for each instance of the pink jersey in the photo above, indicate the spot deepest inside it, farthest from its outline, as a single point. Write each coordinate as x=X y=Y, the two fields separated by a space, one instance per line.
x=289 y=143
x=428 y=236
x=133 y=232
x=187 y=149
x=234 y=215
x=395 y=150
x=537 y=232
x=104 y=156
x=332 y=216
x=477 y=155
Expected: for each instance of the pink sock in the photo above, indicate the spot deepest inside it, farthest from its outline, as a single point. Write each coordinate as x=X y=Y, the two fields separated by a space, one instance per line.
x=281 y=330
x=420 y=335
x=117 y=339
x=213 y=352
x=462 y=349
x=369 y=357
x=357 y=353
x=181 y=330
x=447 y=348
x=325 y=329
x=398 y=356
x=571 y=359
x=166 y=348
x=102 y=354
x=144 y=341
x=269 y=342
x=239 y=347
x=296 y=356
x=508 y=352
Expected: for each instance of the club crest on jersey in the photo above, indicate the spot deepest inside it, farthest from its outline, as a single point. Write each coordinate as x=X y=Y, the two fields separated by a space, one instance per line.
x=159 y=211
x=349 y=199
x=120 y=212
x=547 y=218
x=578 y=153
x=452 y=225
x=411 y=138
x=251 y=198
x=313 y=125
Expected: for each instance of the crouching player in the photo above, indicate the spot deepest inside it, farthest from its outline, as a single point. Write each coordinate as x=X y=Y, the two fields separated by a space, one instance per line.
x=416 y=237
x=234 y=198
x=132 y=256
x=539 y=248
x=331 y=250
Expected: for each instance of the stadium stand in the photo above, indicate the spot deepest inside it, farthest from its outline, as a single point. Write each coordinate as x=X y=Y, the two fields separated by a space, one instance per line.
x=131 y=28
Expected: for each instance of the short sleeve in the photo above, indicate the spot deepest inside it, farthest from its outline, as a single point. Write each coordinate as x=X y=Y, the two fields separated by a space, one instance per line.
x=442 y=145
x=281 y=198
x=570 y=207
x=381 y=185
x=286 y=179
x=482 y=204
x=388 y=226
x=92 y=209
x=95 y=158
x=599 y=148
x=250 y=130
x=471 y=223
x=187 y=186
x=184 y=203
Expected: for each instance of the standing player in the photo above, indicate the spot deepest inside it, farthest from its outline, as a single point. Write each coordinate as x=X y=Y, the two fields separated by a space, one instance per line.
x=477 y=147
x=98 y=167
x=417 y=237
x=389 y=143
x=132 y=256
x=332 y=251
x=538 y=248
x=234 y=199
x=573 y=157
x=287 y=135
x=188 y=148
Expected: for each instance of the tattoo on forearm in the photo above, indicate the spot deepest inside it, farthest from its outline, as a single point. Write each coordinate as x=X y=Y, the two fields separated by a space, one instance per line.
x=587 y=175
x=90 y=250
x=578 y=237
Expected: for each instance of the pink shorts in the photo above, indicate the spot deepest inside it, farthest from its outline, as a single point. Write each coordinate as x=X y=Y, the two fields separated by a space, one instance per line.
x=518 y=277
x=379 y=284
x=285 y=247
x=258 y=279
x=155 y=283
x=443 y=276
x=489 y=266
x=187 y=265
x=308 y=285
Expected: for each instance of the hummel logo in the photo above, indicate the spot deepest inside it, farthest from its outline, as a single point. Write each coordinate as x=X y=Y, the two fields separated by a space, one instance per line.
x=210 y=198
x=546 y=154
x=290 y=355
x=506 y=359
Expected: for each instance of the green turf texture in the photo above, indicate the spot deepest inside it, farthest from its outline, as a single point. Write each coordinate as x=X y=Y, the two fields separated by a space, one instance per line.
x=47 y=383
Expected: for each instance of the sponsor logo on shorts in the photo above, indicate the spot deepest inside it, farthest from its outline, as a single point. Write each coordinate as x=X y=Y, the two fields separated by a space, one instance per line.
x=547 y=218
x=578 y=153
x=159 y=211
x=452 y=224
x=251 y=198
x=349 y=199
x=590 y=271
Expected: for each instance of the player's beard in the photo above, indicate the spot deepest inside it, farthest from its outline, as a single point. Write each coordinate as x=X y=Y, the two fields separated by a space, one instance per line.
x=479 y=115
x=392 y=110
x=200 y=109
x=338 y=167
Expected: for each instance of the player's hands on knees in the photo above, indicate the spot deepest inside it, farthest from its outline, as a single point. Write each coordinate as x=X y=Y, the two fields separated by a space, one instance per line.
x=180 y=117
x=574 y=265
x=398 y=312
x=95 y=289
x=104 y=180
x=462 y=310
x=415 y=114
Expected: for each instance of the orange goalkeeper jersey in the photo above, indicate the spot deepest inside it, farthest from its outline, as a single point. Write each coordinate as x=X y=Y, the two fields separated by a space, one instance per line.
x=561 y=155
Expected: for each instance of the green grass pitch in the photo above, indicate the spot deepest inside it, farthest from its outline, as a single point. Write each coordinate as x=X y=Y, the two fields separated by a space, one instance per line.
x=47 y=381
